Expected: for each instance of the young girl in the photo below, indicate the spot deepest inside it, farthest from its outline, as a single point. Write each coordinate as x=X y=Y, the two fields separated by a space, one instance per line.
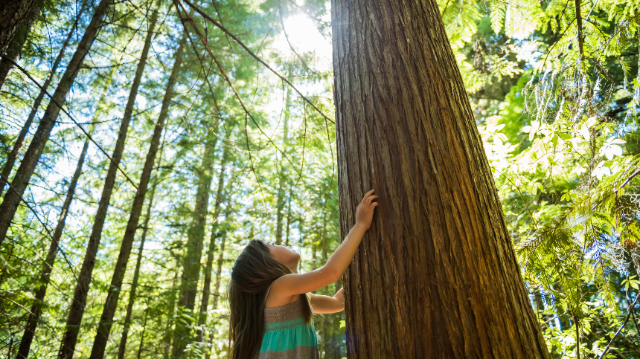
x=271 y=304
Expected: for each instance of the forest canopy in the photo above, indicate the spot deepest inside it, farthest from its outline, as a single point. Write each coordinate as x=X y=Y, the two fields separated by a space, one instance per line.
x=144 y=143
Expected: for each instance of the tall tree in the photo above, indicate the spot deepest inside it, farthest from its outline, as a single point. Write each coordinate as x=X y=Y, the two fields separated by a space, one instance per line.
x=204 y=304
x=282 y=176
x=45 y=272
x=436 y=275
x=40 y=138
x=76 y=310
x=136 y=278
x=195 y=240
x=17 y=146
x=16 y=18
x=111 y=303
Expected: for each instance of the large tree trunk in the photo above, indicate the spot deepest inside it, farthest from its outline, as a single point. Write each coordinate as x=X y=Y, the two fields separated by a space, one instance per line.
x=111 y=303
x=45 y=272
x=16 y=18
x=136 y=277
x=76 y=310
x=195 y=239
x=40 y=138
x=17 y=146
x=204 y=304
x=436 y=275
x=167 y=336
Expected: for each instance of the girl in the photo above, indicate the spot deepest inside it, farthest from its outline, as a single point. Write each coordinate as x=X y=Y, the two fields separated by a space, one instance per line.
x=270 y=303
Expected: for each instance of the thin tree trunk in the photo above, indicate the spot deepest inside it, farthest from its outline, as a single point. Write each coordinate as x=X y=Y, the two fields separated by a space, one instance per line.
x=172 y=305
x=282 y=178
x=288 y=230
x=202 y=318
x=136 y=277
x=45 y=272
x=40 y=138
x=195 y=239
x=111 y=303
x=227 y=217
x=5 y=65
x=78 y=303
x=436 y=275
x=16 y=18
x=144 y=329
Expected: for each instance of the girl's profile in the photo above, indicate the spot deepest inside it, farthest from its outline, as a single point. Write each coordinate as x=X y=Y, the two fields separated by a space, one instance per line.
x=271 y=303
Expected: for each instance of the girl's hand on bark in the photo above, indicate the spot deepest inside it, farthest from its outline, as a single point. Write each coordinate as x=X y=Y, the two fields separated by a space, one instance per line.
x=364 y=211
x=340 y=297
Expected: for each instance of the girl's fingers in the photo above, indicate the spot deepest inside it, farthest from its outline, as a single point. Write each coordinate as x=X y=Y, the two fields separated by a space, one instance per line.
x=366 y=195
x=371 y=198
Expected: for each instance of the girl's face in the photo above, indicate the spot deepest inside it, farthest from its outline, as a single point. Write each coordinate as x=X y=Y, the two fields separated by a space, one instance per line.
x=285 y=256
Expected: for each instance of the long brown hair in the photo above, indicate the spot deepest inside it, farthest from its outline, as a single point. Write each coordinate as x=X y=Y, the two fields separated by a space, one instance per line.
x=251 y=276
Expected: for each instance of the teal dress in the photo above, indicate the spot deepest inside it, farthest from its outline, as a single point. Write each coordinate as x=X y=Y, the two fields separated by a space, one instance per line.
x=287 y=335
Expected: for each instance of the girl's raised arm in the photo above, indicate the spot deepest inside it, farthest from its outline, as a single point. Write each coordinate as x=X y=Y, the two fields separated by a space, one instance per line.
x=292 y=284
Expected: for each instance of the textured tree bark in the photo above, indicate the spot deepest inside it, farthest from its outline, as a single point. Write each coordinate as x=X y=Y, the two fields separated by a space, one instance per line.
x=45 y=272
x=195 y=239
x=17 y=146
x=136 y=277
x=111 y=303
x=16 y=18
x=14 y=49
x=40 y=138
x=436 y=275
x=78 y=303
x=206 y=289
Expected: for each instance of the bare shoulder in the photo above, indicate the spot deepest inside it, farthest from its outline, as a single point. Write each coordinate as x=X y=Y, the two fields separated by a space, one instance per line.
x=277 y=297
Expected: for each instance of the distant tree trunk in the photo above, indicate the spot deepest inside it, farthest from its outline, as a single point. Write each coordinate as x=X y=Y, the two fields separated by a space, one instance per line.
x=76 y=310
x=288 y=230
x=166 y=338
x=16 y=18
x=144 y=329
x=282 y=177
x=45 y=272
x=202 y=318
x=136 y=277
x=17 y=146
x=111 y=303
x=40 y=138
x=436 y=275
x=195 y=239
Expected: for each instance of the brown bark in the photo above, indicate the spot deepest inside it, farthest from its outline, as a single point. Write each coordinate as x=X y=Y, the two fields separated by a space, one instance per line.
x=111 y=303
x=78 y=303
x=16 y=18
x=436 y=275
x=17 y=146
x=14 y=49
x=45 y=272
x=40 y=138
x=136 y=277
x=206 y=290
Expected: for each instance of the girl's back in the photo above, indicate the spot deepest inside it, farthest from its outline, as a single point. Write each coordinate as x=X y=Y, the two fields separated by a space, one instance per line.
x=287 y=335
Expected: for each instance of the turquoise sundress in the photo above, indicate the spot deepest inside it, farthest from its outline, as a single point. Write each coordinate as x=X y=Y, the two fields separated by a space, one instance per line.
x=287 y=335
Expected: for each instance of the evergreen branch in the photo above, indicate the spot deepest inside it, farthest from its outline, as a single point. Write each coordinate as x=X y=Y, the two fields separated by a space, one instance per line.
x=208 y=18
x=633 y=305
x=70 y=117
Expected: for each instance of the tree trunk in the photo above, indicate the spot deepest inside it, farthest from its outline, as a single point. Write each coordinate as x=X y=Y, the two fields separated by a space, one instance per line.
x=436 y=275
x=111 y=303
x=282 y=178
x=172 y=305
x=144 y=329
x=17 y=146
x=223 y=240
x=136 y=277
x=195 y=239
x=16 y=18
x=288 y=230
x=202 y=318
x=40 y=138
x=78 y=303
x=45 y=272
